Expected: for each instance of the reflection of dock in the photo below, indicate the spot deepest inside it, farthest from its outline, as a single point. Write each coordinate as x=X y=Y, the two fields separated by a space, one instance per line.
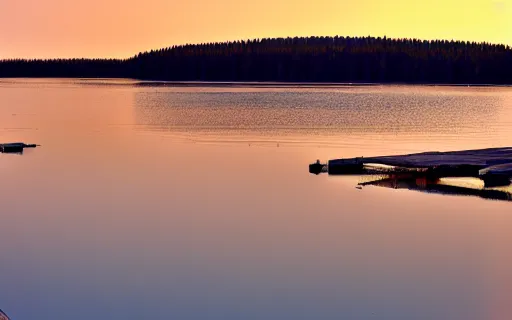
x=424 y=184
x=493 y=166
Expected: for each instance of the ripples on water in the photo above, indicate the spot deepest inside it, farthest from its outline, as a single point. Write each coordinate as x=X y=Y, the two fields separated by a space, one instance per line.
x=396 y=113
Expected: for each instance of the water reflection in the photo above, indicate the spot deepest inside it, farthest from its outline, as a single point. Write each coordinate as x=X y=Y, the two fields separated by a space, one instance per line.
x=439 y=186
x=122 y=217
x=376 y=110
x=18 y=152
x=380 y=118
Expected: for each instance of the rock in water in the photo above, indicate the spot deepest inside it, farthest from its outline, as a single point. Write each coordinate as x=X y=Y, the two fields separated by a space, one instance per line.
x=3 y=316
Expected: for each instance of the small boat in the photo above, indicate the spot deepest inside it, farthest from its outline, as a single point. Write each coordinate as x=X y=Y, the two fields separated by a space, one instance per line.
x=16 y=147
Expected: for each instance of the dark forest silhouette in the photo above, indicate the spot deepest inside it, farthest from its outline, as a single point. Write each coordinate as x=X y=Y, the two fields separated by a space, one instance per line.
x=312 y=59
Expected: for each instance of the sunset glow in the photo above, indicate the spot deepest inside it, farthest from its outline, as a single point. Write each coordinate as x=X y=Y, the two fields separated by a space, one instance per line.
x=114 y=28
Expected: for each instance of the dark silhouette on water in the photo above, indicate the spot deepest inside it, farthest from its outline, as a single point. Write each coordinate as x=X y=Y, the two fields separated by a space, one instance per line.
x=425 y=171
x=317 y=168
x=425 y=184
x=312 y=59
x=15 y=148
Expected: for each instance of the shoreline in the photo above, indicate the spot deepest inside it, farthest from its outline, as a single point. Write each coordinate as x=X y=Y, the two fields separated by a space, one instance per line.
x=247 y=84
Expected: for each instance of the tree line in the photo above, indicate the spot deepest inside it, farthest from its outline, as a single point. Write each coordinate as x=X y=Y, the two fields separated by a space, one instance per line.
x=305 y=59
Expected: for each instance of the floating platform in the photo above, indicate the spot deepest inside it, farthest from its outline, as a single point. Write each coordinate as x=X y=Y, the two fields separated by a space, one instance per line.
x=16 y=147
x=493 y=165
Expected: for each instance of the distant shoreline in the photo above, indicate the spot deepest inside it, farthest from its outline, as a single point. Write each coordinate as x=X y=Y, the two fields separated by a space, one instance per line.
x=298 y=61
x=235 y=84
x=301 y=84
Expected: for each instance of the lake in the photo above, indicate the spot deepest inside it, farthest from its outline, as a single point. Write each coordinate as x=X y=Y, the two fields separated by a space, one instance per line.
x=195 y=202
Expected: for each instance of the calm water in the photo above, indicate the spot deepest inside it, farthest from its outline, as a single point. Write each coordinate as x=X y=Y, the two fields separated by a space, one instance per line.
x=196 y=203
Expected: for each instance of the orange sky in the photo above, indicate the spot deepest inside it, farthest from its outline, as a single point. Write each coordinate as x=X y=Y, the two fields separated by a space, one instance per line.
x=121 y=28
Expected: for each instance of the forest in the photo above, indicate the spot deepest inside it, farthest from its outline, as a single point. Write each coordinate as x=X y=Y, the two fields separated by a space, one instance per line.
x=304 y=59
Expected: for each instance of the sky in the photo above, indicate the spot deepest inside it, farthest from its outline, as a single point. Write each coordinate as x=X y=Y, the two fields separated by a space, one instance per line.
x=122 y=28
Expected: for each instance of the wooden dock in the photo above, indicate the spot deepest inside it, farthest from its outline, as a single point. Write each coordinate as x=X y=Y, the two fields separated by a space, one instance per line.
x=493 y=165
